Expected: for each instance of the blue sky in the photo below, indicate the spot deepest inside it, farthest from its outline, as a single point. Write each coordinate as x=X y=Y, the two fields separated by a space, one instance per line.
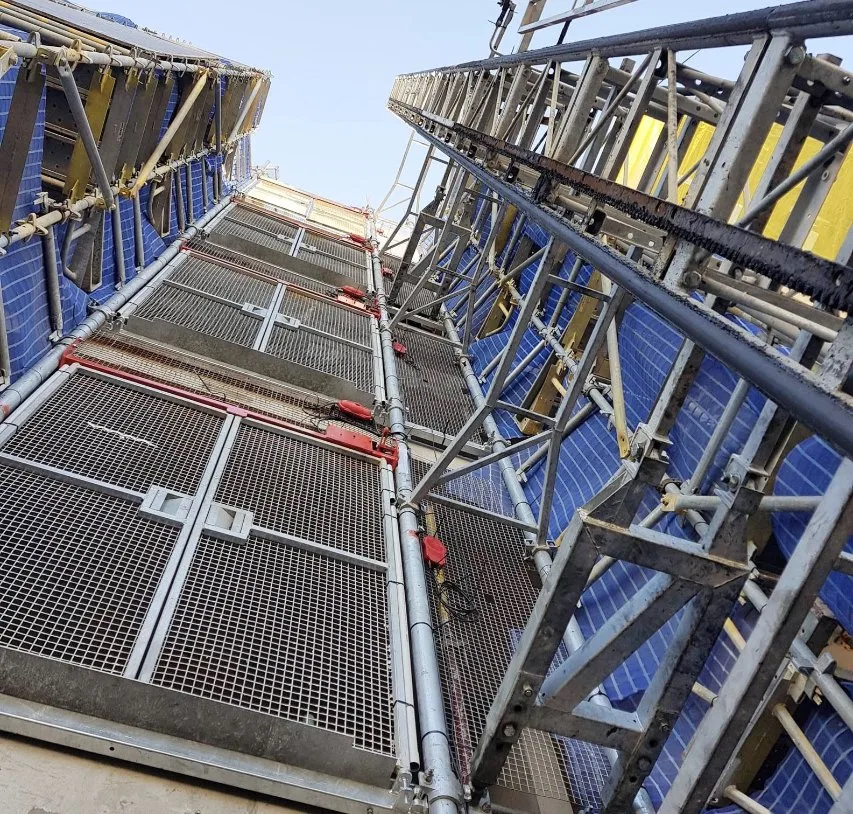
x=333 y=62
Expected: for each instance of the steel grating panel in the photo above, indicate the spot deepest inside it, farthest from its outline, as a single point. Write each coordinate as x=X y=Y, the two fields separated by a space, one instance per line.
x=253 y=264
x=277 y=241
x=335 y=248
x=337 y=320
x=488 y=578
x=199 y=313
x=265 y=223
x=323 y=354
x=223 y=282
x=423 y=298
x=78 y=570
x=433 y=387
x=306 y=490
x=130 y=354
x=391 y=262
x=103 y=430
x=287 y=632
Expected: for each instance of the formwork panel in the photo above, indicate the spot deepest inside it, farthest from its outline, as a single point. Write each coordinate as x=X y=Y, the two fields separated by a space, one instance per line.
x=223 y=282
x=110 y=432
x=287 y=632
x=480 y=613
x=324 y=354
x=337 y=320
x=199 y=313
x=433 y=387
x=78 y=570
x=306 y=490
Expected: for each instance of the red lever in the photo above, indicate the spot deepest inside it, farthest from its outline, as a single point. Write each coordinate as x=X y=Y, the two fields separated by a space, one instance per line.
x=399 y=348
x=435 y=552
x=352 y=291
x=355 y=410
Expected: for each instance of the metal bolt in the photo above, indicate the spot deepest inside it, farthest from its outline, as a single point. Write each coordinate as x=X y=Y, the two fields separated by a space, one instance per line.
x=428 y=775
x=644 y=764
x=845 y=80
x=527 y=691
x=796 y=55
x=510 y=730
x=369 y=811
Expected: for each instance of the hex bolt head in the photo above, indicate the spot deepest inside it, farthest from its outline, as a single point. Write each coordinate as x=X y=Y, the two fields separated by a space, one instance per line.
x=796 y=55
x=644 y=764
x=510 y=730
x=527 y=691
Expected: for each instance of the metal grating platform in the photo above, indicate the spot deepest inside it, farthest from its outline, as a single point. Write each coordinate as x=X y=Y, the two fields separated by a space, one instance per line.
x=287 y=632
x=109 y=432
x=78 y=570
x=135 y=355
x=485 y=562
x=333 y=255
x=323 y=354
x=201 y=314
x=337 y=320
x=433 y=387
x=306 y=490
x=260 y=221
x=253 y=264
x=223 y=282
x=279 y=241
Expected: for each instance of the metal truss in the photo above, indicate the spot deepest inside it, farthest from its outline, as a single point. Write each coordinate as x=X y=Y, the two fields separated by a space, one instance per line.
x=530 y=141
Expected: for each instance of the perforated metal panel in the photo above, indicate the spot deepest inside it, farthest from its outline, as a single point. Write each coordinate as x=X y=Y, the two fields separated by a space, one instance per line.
x=113 y=433
x=485 y=564
x=78 y=570
x=433 y=387
x=306 y=490
x=287 y=632
x=223 y=282
x=198 y=313
x=325 y=316
x=323 y=354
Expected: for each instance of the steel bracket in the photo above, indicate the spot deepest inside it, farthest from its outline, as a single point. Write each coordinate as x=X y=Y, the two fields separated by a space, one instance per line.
x=166 y=505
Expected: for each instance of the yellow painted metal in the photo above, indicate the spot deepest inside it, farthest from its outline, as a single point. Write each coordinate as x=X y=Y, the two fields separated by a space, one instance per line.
x=97 y=105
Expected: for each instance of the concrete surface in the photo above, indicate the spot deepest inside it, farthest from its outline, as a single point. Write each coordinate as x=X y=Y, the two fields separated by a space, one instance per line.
x=36 y=779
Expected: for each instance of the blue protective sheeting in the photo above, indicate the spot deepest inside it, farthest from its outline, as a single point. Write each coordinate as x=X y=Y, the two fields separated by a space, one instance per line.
x=794 y=787
x=807 y=470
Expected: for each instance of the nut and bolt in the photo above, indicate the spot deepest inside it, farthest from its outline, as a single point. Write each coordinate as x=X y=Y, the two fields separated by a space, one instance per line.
x=527 y=691
x=644 y=764
x=510 y=730
x=796 y=55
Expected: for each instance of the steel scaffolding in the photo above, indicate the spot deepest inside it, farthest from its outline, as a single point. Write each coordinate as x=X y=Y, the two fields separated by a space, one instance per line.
x=665 y=187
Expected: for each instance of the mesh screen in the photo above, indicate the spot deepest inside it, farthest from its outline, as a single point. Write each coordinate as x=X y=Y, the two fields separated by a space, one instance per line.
x=258 y=220
x=254 y=264
x=277 y=241
x=109 y=432
x=335 y=248
x=305 y=490
x=223 y=282
x=78 y=570
x=328 y=317
x=424 y=297
x=479 y=619
x=201 y=314
x=286 y=632
x=323 y=354
x=433 y=387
